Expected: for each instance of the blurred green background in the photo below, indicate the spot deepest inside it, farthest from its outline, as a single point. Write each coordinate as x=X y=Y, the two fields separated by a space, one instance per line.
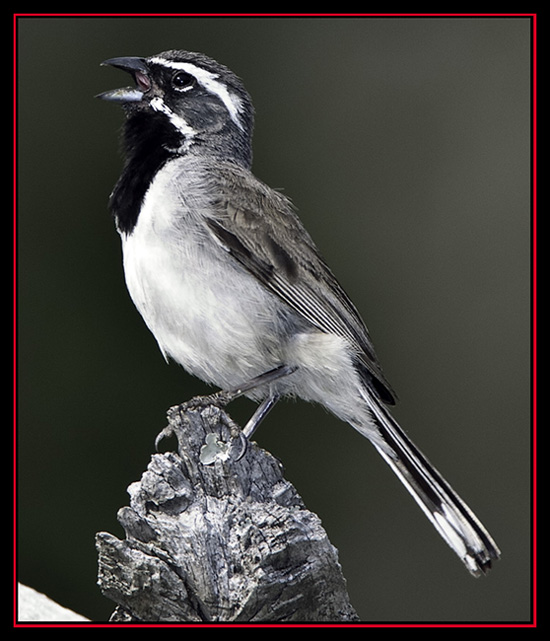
x=405 y=145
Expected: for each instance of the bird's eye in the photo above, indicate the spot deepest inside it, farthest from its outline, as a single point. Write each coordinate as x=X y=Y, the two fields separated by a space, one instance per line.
x=183 y=81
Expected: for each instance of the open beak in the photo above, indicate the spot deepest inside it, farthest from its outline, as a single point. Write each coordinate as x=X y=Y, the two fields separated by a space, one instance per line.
x=135 y=66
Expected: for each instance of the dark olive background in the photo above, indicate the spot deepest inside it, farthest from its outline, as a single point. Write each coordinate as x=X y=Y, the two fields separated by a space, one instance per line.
x=405 y=145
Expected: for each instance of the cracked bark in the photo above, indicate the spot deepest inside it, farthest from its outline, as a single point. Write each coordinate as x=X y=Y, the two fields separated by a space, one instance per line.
x=229 y=541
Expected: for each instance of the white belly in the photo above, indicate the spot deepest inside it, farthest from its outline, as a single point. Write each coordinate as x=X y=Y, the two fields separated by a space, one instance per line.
x=205 y=313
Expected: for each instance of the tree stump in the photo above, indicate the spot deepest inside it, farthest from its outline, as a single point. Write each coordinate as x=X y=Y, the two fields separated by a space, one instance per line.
x=216 y=536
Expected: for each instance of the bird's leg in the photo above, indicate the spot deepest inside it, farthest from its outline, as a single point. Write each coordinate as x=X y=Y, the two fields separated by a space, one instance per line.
x=224 y=397
x=210 y=451
x=261 y=412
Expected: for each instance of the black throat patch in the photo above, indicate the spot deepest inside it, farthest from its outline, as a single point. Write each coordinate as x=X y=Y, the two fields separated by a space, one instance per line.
x=149 y=141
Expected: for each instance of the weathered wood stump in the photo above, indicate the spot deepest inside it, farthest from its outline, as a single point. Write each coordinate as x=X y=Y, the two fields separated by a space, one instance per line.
x=228 y=541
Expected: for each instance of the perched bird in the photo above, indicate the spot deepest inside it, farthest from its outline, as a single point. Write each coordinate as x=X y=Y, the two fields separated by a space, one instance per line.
x=233 y=287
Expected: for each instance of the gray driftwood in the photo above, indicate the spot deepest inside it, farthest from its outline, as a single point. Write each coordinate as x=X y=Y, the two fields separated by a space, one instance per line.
x=228 y=541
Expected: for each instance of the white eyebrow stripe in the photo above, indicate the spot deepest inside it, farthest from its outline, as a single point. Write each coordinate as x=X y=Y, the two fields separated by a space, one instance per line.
x=207 y=79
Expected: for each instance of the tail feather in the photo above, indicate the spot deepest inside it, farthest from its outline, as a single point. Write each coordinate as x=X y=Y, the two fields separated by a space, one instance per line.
x=451 y=517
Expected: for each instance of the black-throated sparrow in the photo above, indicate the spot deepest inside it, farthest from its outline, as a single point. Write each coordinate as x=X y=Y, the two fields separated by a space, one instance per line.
x=232 y=286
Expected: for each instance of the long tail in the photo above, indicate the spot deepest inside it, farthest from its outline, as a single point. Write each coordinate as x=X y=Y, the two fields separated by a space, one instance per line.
x=451 y=517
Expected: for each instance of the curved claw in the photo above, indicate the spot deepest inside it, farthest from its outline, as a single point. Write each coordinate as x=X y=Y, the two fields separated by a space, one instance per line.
x=244 y=446
x=164 y=433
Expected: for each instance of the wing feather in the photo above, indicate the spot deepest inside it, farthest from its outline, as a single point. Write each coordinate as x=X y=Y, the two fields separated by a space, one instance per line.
x=261 y=230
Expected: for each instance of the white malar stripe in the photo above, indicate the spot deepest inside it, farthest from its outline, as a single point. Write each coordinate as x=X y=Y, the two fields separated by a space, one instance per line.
x=179 y=123
x=207 y=79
